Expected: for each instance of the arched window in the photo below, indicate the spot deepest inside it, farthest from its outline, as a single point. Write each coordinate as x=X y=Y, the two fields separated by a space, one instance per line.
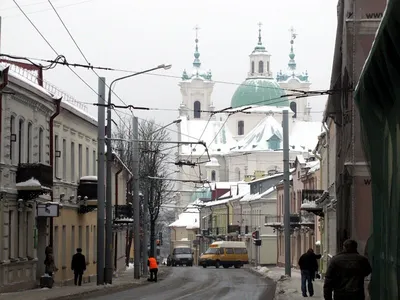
x=197 y=110
x=40 y=144
x=237 y=172
x=260 y=67
x=267 y=66
x=29 y=143
x=240 y=129
x=20 y=141
x=213 y=175
x=252 y=67
x=12 y=137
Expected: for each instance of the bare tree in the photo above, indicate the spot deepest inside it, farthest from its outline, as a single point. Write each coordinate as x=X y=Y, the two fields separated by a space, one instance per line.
x=153 y=152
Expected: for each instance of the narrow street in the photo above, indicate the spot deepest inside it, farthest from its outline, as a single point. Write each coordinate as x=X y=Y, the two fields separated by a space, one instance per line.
x=198 y=283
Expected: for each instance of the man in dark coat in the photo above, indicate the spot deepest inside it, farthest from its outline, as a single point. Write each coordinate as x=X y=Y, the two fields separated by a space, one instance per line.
x=346 y=273
x=78 y=265
x=309 y=266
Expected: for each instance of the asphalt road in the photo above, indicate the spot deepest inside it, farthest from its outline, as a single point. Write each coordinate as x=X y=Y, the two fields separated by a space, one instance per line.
x=197 y=283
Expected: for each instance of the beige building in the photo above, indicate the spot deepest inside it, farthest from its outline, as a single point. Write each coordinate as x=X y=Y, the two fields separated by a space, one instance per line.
x=42 y=195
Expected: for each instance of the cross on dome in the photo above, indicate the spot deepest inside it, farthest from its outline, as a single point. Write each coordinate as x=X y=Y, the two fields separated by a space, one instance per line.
x=196 y=62
x=259 y=33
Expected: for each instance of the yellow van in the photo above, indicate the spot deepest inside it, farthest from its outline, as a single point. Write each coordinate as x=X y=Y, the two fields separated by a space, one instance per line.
x=225 y=254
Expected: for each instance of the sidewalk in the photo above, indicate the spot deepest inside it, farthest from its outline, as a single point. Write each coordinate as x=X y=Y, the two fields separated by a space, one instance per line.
x=289 y=288
x=124 y=281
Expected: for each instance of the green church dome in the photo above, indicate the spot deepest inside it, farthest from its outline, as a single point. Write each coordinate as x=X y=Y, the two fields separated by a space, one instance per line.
x=259 y=91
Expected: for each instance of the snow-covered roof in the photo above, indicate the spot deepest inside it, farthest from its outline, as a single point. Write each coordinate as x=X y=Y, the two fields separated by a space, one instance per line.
x=258 y=196
x=192 y=131
x=213 y=163
x=304 y=135
x=313 y=165
x=266 y=177
x=215 y=203
x=89 y=178
x=237 y=191
x=188 y=219
x=222 y=185
x=256 y=139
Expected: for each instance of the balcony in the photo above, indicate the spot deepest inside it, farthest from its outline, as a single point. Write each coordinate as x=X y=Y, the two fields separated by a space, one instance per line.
x=307 y=219
x=309 y=201
x=277 y=222
x=87 y=194
x=33 y=179
x=123 y=214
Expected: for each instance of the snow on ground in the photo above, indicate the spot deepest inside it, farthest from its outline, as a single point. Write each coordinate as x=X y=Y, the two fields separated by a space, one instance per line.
x=130 y=267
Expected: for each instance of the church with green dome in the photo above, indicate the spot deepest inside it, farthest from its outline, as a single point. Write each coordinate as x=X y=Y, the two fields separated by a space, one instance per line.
x=260 y=88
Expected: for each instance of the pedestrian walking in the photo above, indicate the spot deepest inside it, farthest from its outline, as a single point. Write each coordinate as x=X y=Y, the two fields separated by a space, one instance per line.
x=309 y=266
x=78 y=265
x=346 y=273
x=153 y=267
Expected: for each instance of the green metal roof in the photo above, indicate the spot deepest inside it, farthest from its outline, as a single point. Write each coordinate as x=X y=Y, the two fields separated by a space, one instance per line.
x=259 y=91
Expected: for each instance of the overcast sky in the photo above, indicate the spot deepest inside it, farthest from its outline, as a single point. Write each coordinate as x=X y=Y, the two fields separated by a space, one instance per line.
x=138 y=35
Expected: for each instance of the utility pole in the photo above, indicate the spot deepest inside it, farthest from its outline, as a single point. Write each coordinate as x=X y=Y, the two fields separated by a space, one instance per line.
x=145 y=230
x=136 y=200
x=286 y=191
x=108 y=271
x=100 y=180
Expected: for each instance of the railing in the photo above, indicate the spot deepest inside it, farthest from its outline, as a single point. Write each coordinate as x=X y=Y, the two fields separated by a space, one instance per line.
x=51 y=88
x=307 y=218
x=87 y=188
x=311 y=195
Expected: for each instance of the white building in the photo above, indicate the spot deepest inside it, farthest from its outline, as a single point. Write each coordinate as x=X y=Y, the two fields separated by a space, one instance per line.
x=243 y=143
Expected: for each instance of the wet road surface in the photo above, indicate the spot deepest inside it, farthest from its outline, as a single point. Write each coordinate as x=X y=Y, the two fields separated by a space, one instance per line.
x=197 y=283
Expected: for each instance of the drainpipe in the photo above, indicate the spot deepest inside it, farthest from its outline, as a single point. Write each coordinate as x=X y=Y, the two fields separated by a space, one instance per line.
x=2 y=86
x=116 y=205
x=57 y=102
x=326 y=220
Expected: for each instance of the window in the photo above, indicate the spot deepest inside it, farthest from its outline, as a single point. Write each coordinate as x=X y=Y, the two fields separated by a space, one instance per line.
x=87 y=161
x=80 y=165
x=240 y=127
x=268 y=66
x=197 y=109
x=12 y=128
x=40 y=144
x=64 y=159
x=213 y=175
x=229 y=251
x=56 y=164
x=252 y=67
x=64 y=247
x=80 y=237
x=72 y=240
x=20 y=141
x=87 y=243
x=10 y=234
x=18 y=235
x=29 y=144
x=72 y=162
x=237 y=171
x=260 y=67
x=56 y=246
x=94 y=243
x=94 y=162
x=27 y=235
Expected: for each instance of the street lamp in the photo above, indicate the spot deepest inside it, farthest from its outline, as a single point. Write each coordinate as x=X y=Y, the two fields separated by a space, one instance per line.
x=109 y=235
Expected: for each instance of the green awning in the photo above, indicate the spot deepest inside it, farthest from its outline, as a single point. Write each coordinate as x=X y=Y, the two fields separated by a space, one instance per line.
x=378 y=98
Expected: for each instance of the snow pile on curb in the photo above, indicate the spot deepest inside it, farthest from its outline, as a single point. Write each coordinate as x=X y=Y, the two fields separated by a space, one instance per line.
x=274 y=275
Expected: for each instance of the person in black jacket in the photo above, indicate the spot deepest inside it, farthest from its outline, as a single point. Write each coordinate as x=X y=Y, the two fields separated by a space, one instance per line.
x=309 y=266
x=346 y=274
x=78 y=265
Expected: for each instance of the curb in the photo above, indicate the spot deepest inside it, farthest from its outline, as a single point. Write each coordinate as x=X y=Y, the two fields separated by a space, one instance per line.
x=271 y=292
x=108 y=290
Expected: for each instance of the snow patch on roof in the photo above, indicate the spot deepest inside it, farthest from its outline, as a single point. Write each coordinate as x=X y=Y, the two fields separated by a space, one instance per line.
x=215 y=203
x=31 y=184
x=304 y=135
x=188 y=219
x=258 y=196
x=257 y=138
x=83 y=178
x=216 y=136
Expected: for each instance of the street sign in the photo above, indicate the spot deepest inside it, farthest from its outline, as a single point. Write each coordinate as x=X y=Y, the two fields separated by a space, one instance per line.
x=256 y=235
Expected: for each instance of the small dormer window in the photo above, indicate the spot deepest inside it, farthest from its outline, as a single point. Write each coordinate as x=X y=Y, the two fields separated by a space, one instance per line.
x=240 y=128
x=274 y=142
x=260 y=67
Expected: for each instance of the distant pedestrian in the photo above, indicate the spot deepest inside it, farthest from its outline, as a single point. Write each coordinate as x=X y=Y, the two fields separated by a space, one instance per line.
x=309 y=266
x=153 y=267
x=78 y=265
x=346 y=273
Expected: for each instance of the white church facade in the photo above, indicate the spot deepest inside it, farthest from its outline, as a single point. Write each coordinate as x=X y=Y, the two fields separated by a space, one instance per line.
x=241 y=144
